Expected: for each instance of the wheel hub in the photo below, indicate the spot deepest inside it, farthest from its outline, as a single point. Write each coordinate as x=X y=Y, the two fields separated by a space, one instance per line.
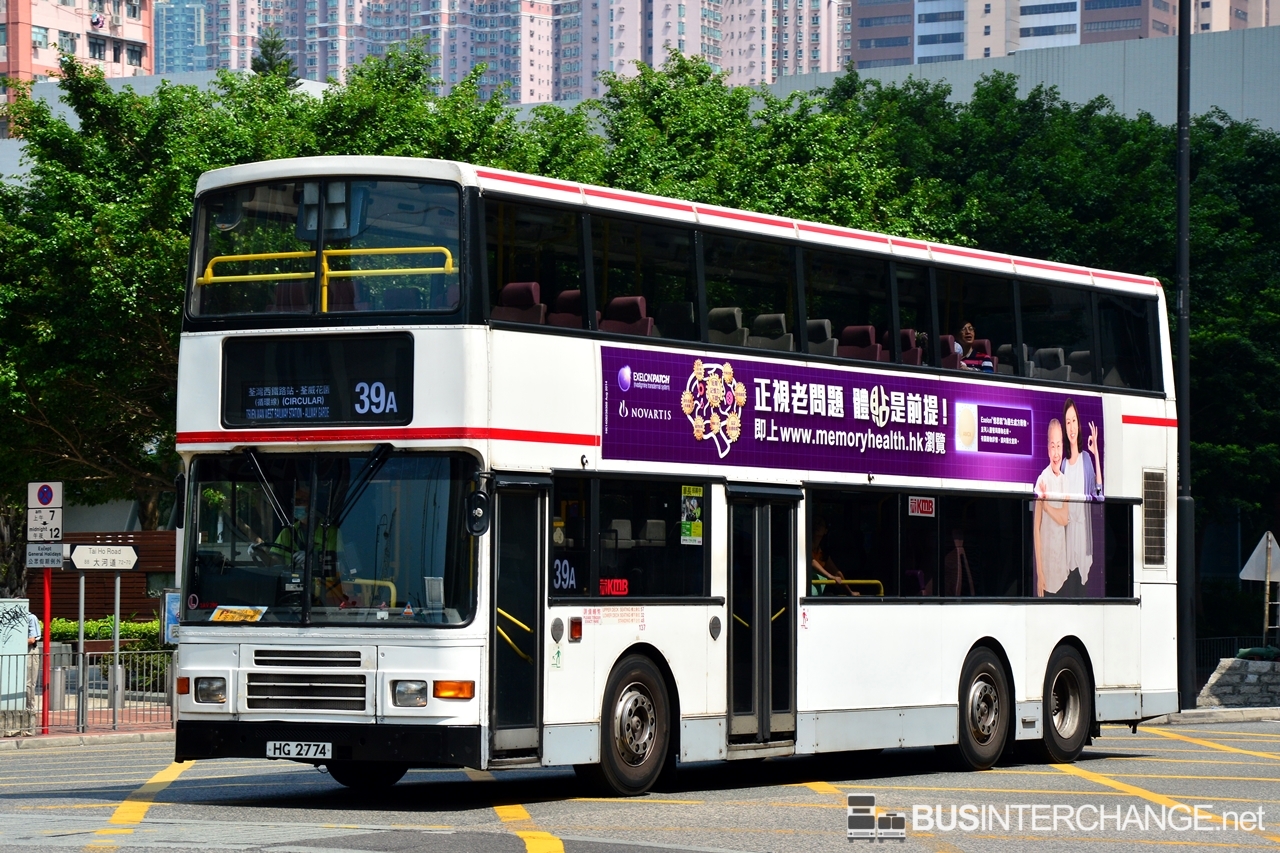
x=984 y=709
x=1065 y=703
x=634 y=722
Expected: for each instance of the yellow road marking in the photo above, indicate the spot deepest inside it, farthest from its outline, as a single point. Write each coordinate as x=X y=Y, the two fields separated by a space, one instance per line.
x=135 y=806
x=635 y=801
x=1148 y=776
x=983 y=790
x=537 y=841
x=822 y=787
x=114 y=832
x=1242 y=735
x=1142 y=793
x=1212 y=745
x=509 y=814
x=1184 y=760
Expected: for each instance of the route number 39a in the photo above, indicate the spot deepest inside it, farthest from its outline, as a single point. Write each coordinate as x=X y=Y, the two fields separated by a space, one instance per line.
x=564 y=577
x=374 y=398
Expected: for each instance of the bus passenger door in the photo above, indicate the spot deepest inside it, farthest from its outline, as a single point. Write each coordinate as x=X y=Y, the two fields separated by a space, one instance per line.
x=515 y=634
x=762 y=621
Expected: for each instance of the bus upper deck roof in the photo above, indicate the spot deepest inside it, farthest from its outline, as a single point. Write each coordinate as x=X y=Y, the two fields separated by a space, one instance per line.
x=691 y=213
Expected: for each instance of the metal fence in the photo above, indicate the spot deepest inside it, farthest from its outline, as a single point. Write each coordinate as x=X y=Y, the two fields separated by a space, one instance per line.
x=96 y=691
x=1210 y=650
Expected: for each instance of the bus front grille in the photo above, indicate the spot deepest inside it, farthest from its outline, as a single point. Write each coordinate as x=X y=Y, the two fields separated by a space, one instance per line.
x=305 y=692
x=307 y=657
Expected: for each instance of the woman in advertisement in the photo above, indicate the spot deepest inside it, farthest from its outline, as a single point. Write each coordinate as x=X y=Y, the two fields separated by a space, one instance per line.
x=1083 y=474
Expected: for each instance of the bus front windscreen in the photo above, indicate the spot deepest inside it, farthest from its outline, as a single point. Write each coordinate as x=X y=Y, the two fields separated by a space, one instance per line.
x=389 y=246
x=373 y=538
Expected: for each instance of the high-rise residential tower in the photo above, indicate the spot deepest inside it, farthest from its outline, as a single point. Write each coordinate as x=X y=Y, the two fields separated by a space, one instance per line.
x=114 y=35
x=179 y=36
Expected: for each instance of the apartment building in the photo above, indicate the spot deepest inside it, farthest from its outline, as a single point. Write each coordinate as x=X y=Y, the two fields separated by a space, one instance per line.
x=179 y=36
x=902 y=32
x=114 y=35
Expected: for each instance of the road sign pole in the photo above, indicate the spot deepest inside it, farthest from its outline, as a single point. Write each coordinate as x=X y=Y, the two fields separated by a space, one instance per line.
x=117 y=671
x=82 y=714
x=47 y=671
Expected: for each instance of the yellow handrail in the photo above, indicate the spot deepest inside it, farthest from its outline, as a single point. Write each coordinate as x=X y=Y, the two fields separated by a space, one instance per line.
x=208 y=277
x=373 y=583
x=502 y=612
x=779 y=613
x=877 y=584
x=514 y=647
x=740 y=619
x=325 y=272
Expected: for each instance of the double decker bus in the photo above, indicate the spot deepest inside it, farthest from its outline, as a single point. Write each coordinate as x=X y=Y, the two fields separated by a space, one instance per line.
x=490 y=470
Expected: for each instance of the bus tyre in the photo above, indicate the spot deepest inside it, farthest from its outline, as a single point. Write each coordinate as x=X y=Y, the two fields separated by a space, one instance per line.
x=984 y=710
x=366 y=775
x=634 y=727
x=1068 y=709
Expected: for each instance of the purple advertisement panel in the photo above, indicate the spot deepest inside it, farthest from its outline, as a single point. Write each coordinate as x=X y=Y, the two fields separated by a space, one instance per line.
x=670 y=407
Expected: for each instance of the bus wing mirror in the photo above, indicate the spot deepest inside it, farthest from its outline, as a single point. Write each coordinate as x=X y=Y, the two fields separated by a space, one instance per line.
x=180 y=501
x=478 y=513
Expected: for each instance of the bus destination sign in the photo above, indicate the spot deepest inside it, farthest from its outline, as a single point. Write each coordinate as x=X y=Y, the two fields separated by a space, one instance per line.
x=281 y=382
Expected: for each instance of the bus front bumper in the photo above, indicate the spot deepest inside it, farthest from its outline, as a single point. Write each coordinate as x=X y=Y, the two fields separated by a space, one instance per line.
x=417 y=746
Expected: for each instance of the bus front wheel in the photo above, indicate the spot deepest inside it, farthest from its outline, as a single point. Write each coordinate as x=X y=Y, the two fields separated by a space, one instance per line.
x=985 y=709
x=635 y=727
x=364 y=775
x=1068 y=711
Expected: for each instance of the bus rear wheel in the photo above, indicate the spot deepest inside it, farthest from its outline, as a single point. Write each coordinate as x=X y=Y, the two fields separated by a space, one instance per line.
x=1068 y=706
x=635 y=727
x=366 y=775
x=985 y=709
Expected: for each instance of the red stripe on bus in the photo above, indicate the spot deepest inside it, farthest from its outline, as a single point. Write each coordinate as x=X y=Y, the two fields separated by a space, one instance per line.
x=1143 y=420
x=612 y=196
x=1130 y=279
x=982 y=256
x=533 y=182
x=747 y=217
x=843 y=232
x=1023 y=262
x=386 y=434
x=909 y=244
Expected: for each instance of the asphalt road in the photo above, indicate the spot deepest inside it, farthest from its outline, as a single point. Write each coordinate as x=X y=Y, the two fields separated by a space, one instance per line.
x=129 y=797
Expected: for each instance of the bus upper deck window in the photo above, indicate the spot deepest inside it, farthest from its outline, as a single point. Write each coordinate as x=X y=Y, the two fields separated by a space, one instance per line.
x=976 y=324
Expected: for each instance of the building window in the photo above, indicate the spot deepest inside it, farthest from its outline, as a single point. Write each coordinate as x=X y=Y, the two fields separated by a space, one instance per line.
x=1055 y=30
x=940 y=38
x=986 y=9
x=1047 y=8
x=872 y=44
x=1240 y=14
x=97 y=49
x=986 y=31
x=133 y=10
x=940 y=17
x=4 y=35
x=67 y=41
x=1160 y=27
x=1111 y=26
x=133 y=55
x=885 y=21
x=39 y=37
x=986 y=52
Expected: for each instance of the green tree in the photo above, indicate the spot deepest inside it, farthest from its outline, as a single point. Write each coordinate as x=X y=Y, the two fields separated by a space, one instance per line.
x=273 y=56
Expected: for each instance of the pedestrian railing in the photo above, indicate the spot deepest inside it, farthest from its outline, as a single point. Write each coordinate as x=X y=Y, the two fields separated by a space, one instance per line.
x=1211 y=650
x=95 y=691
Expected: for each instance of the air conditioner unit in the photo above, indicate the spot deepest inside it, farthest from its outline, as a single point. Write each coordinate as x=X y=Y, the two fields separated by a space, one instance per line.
x=115 y=20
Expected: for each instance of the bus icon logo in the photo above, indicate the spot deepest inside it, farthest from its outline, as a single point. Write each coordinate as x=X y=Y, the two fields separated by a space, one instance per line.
x=866 y=825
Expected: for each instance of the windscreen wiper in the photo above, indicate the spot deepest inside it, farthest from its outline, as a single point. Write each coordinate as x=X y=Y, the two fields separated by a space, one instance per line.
x=361 y=482
x=281 y=516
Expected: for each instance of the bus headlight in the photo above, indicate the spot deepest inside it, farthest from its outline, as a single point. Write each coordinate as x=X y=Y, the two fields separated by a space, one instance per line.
x=409 y=694
x=211 y=691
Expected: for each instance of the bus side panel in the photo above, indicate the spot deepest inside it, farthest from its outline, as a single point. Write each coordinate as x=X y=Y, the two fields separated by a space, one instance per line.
x=540 y=400
x=449 y=398
x=200 y=366
x=1159 y=648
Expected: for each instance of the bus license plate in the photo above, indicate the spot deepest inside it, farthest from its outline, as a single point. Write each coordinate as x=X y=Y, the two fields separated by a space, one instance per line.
x=298 y=749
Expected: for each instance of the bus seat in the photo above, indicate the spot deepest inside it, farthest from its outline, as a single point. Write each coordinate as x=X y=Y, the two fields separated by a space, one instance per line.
x=819 y=336
x=655 y=534
x=859 y=342
x=1004 y=359
x=675 y=320
x=1050 y=363
x=520 y=302
x=769 y=331
x=402 y=299
x=292 y=296
x=346 y=295
x=911 y=354
x=566 y=312
x=726 y=327
x=446 y=298
x=950 y=358
x=622 y=528
x=1081 y=364
x=626 y=315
